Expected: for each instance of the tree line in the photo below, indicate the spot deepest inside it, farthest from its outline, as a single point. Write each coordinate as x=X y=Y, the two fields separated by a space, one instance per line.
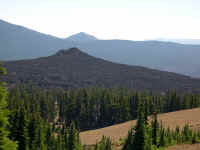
x=93 y=108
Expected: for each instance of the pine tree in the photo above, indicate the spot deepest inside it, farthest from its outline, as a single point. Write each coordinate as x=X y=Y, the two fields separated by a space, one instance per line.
x=105 y=144
x=195 y=138
x=108 y=144
x=169 y=137
x=186 y=133
x=36 y=134
x=146 y=112
x=155 y=130
x=49 y=138
x=74 y=140
x=40 y=142
x=163 y=140
x=32 y=133
x=18 y=129
x=23 y=131
x=177 y=135
x=129 y=140
x=5 y=142
x=141 y=134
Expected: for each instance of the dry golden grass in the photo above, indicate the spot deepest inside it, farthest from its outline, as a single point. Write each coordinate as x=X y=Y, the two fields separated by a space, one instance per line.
x=115 y=132
x=185 y=147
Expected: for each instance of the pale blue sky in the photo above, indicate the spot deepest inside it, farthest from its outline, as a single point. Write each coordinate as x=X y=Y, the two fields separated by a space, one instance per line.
x=107 y=19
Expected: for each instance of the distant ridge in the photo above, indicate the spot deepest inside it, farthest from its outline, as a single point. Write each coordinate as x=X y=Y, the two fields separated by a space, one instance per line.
x=73 y=68
x=181 y=41
x=82 y=37
x=17 y=42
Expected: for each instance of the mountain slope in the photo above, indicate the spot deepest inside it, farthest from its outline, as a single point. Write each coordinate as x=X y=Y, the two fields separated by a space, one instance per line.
x=165 y=56
x=115 y=132
x=17 y=42
x=73 y=69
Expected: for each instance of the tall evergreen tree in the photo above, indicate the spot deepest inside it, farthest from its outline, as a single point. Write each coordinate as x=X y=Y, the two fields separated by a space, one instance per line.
x=129 y=140
x=74 y=140
x=155 y=130
x=36 y=134
x=5 y=142
x=146 y=111
x=49 y=138
x=141 y=134
x=163 y=140
x=18 y=129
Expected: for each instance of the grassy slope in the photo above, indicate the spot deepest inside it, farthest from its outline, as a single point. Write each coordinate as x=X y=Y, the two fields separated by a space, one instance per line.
x=185 y=147
x=172 y=119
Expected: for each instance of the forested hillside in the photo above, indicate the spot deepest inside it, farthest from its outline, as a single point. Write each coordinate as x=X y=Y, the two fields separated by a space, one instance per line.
x=42 y=119
x=49 y=117
x=95 y=107
x=73 y=68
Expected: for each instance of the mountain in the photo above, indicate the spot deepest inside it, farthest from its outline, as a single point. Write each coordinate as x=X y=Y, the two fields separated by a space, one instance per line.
x=17 y=42
x=181 y=41
x=166 y=56
x=73 y=68
x=82 y=37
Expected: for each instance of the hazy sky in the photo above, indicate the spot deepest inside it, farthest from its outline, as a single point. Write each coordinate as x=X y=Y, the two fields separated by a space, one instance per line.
x=107 y=19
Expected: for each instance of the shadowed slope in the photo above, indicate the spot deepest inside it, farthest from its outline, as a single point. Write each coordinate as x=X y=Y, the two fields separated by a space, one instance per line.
x=73 y=68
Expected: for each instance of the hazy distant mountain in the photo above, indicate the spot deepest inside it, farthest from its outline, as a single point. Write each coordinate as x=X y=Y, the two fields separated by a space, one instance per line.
x=73 y=69
x=173 y=57
x=181 y=41
x=17 y=42
x=82 y=37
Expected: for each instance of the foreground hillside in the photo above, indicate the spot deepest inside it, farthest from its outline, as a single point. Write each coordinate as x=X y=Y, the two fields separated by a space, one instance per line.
x=172 y=119
x=55 y=114
x=73 y=68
